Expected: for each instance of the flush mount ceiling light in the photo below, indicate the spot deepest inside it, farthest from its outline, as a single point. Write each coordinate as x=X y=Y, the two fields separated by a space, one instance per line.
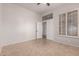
x=48 y=4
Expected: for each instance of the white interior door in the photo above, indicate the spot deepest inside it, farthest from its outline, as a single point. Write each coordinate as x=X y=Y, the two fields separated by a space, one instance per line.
x=50 y=29
x=39 y=30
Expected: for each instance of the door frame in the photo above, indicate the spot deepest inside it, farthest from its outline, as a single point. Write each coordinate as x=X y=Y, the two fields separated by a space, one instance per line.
x=46 y=28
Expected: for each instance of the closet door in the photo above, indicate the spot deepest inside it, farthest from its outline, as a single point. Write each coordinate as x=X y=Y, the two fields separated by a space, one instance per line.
x=72 y=23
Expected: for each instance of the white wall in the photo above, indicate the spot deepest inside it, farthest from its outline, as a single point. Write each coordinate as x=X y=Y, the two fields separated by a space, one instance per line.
x=18 y=24
x=0 y=25
x=74 y=41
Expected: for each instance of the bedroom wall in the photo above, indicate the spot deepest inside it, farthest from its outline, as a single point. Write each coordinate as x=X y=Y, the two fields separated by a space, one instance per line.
x=74 y=41
x=18 y=24
x=0 y=25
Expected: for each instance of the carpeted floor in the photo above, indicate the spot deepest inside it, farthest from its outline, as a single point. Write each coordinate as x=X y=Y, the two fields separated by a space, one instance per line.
x=40 y=47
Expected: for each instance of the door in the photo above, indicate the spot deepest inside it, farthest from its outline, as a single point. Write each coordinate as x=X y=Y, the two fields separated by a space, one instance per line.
x=39 y=30
x=50 y=29
x=44 y=24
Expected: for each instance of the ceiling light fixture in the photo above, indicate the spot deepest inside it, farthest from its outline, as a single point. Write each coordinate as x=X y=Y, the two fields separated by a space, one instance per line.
x=48 y=4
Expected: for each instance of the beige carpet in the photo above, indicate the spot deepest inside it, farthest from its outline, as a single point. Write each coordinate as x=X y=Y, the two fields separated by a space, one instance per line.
x=40 y=48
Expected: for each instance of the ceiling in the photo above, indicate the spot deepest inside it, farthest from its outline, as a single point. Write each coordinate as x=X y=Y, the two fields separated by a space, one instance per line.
x=42 y=8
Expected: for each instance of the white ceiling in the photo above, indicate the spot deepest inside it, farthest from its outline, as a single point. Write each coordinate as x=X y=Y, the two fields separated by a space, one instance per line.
x=42 y=8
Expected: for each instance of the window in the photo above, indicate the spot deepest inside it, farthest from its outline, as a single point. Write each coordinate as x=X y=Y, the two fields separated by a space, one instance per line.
x=68 y=24
x=72 y=25
x=47 y=17
x=62 y=24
